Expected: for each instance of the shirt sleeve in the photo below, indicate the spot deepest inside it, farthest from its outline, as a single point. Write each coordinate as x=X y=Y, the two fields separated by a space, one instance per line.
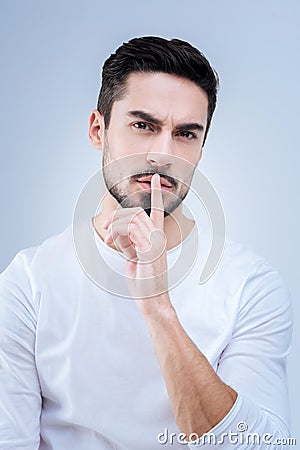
x=20 y=397
x=254 y=364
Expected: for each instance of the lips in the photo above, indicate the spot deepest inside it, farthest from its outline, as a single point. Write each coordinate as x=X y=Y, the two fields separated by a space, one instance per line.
x=147 y=180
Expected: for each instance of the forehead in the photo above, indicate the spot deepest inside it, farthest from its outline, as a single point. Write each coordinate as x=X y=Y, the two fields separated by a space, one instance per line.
x=165 y=96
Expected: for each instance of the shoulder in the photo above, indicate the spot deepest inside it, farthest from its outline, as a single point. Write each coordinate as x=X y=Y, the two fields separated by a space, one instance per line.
x=240 y=258
x=41 y=258
x=240 y=263
x=258 y=285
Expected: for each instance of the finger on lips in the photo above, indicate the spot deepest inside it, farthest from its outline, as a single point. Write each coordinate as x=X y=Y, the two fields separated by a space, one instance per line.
x=122 y=219
x=157 y=205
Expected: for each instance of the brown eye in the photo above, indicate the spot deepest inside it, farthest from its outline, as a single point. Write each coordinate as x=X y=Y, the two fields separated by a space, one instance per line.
x=188 y=135
x=141 y=126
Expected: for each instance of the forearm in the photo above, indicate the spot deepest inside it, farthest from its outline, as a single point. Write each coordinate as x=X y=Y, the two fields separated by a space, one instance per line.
x=198 y=397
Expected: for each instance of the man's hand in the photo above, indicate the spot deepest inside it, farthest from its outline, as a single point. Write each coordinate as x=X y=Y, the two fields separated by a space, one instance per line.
x=142 y=240
x=198 y=397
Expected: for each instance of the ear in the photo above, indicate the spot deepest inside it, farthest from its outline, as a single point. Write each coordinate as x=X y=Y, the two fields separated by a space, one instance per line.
x=96 y=130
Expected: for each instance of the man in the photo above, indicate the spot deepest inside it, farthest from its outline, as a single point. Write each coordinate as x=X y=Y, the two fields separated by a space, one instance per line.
x=84 y=368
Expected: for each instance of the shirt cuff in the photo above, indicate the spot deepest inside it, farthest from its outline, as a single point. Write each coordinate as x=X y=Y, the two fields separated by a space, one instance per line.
x=244 y=420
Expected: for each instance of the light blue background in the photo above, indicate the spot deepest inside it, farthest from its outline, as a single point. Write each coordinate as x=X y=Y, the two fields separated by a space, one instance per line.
x=51 y=57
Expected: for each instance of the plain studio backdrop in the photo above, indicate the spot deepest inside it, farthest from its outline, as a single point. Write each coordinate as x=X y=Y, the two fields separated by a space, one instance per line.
x=51 y=58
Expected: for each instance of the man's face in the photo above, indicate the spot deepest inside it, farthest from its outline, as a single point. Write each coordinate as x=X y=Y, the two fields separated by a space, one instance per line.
x=158 y=127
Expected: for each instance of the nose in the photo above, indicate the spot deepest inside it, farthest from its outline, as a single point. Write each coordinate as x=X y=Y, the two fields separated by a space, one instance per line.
x=161 y=152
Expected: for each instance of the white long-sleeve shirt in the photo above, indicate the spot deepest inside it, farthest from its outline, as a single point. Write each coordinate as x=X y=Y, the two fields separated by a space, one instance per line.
x=78 y=370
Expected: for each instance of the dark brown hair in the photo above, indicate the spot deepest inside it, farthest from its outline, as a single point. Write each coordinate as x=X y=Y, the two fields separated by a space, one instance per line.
x=155 y=54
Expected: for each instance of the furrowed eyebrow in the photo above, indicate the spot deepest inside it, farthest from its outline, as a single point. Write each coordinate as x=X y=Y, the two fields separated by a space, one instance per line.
x=149 y=118
x=144 y=116
x=190 y=127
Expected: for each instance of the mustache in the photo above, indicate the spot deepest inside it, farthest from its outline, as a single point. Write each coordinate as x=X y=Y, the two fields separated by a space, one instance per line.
x=170 y=179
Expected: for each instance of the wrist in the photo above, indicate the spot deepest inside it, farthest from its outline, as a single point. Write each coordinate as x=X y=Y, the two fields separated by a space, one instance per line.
x=157 y=309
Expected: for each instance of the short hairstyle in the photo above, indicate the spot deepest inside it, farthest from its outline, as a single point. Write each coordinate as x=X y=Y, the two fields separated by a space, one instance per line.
x=155 y=54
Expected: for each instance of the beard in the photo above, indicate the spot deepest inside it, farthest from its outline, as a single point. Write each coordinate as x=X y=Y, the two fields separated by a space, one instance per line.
x=122 y=186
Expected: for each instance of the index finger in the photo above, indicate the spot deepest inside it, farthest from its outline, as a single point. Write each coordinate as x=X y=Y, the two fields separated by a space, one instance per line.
x=157 y=205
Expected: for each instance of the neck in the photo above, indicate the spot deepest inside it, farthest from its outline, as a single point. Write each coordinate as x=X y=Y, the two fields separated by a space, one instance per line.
x=176 y=227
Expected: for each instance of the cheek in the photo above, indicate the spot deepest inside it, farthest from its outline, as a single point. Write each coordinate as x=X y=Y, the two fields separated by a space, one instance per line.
x=125 y=142
x=190 y=153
